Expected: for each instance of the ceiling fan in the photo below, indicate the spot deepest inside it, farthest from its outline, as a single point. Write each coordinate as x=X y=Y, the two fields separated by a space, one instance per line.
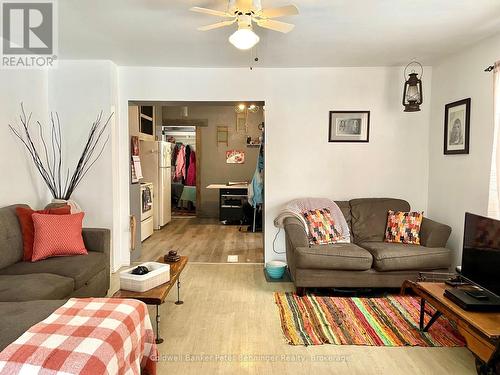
x=244 y=12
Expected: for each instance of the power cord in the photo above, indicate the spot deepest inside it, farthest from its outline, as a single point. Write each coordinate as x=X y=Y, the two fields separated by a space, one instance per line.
x=278 y=232
x=274 y=241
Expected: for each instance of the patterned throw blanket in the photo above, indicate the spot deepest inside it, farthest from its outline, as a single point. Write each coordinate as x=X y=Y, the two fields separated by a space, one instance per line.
x=89 y=336
x=296 y=207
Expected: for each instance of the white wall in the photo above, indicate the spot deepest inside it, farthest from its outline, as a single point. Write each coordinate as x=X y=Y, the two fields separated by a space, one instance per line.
x=78 y=91
x=213 y=166
x=20 y=180
x=299 y=160
x=460 y=183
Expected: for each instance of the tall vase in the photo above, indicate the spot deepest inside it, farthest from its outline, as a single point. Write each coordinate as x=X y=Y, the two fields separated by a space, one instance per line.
x=75 y=207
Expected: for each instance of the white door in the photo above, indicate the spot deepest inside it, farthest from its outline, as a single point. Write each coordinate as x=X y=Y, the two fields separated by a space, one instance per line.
x=165 y=196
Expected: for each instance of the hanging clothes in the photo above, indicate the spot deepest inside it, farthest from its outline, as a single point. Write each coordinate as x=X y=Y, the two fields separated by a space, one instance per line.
x=188 y=159
x=256 y=187
x=175 y=152
x=191 y=175
x=180 y=164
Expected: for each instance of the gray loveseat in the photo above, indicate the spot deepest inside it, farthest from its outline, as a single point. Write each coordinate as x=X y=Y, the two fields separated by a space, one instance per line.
x=31 y=291
x=368 y=261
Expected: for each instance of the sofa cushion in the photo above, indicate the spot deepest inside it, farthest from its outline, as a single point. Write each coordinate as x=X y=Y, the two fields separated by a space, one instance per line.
x=15 y=288
x=399 y=257
x=80 y=268
x=340 y=256
x=18 y=317
x=11 y=238
x=369 y=217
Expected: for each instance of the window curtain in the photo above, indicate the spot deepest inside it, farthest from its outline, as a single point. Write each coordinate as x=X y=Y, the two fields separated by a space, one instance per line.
x=494 y=198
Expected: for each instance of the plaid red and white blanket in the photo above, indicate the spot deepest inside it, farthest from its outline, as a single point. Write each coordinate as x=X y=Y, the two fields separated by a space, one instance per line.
x=88 y=336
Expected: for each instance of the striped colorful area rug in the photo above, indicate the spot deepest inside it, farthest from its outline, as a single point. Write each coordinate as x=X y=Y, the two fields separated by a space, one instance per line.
x=387 y=321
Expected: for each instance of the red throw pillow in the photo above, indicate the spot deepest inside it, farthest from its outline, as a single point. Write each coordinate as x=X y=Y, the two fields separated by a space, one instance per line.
x=57 y=235
x=26 y=221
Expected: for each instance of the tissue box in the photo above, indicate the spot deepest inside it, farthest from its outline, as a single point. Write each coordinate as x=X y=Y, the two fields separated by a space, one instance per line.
x=159 y=273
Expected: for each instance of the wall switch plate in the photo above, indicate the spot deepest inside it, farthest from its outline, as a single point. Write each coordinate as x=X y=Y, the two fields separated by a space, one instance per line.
x=232 y=258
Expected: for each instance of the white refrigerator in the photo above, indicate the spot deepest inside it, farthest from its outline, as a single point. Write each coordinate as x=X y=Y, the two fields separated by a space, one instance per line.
x=156 y=166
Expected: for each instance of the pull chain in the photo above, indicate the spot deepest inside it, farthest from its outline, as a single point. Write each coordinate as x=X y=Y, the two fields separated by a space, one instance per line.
x=253 y=56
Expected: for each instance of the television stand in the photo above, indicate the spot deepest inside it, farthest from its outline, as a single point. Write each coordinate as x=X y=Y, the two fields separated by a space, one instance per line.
x=481 y=330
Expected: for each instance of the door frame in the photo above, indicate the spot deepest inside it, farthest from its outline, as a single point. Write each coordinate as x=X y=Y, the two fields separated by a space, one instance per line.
x=198 y=169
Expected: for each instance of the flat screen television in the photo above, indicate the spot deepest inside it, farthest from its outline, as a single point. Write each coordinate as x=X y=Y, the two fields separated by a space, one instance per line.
x=481 y=252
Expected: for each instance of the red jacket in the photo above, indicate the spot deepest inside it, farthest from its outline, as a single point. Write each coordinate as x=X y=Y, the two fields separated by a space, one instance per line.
x=191 y=174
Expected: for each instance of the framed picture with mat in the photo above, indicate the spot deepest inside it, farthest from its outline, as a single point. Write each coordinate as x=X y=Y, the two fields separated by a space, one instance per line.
x=457 y=127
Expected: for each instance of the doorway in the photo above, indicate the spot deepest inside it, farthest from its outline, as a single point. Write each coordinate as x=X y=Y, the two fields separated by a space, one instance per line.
x=186 y=144
x=216 y=218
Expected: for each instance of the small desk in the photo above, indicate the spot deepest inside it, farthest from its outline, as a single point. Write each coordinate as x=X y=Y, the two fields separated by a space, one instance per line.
x=231 y=199
x=481 y=330
x=224 y=186
x=156 y=296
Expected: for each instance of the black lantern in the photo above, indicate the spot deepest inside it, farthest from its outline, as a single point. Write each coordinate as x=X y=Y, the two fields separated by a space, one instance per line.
x=412 y=91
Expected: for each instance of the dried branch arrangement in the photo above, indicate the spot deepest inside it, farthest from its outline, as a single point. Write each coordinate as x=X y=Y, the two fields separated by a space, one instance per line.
x=47 y=154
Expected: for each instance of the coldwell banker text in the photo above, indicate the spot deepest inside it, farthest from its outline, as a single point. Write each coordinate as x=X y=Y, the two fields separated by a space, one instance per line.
x=29 y=34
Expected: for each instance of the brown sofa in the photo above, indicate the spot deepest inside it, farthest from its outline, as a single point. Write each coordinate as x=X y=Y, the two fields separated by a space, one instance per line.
x=368 y=261
x=31 y=291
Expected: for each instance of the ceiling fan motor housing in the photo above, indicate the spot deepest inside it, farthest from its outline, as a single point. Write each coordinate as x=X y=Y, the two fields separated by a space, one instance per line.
x=244 y=6
x=245 y=22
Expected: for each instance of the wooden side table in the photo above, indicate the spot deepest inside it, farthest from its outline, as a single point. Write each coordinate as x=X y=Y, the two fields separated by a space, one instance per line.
x=156 y=296
x=481 y=330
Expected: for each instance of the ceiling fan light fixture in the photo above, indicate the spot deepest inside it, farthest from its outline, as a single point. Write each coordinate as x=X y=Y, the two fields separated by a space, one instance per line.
x=240 y=108
x=253 y=108
x=244 y=38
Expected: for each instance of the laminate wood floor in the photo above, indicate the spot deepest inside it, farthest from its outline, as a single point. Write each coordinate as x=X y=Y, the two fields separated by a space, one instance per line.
x=229 y=324
x=204 y=240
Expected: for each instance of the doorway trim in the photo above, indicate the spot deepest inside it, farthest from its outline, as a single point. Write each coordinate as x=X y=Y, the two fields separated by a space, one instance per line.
x=121 y=145
x=199 y=156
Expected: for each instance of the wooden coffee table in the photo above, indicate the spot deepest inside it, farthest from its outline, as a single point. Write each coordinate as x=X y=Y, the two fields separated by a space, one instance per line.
x=156 y=296
x=481 y=330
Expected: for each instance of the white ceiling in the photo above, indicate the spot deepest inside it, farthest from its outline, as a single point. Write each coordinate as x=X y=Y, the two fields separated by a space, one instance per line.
x=327 y=32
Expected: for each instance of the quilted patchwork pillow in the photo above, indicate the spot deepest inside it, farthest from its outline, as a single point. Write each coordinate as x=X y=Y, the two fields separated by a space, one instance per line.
x=321 y=227
x=403 y=227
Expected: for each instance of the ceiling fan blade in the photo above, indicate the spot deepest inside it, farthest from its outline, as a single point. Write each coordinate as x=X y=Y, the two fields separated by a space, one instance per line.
x=282 y=27
x=216 y=25
x=289 y=10
x=210 y=11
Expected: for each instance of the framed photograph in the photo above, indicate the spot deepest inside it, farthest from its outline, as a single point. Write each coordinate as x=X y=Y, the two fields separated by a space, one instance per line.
x=349 y=126
x=235 y=157
x=222 y=135
x=457 y=127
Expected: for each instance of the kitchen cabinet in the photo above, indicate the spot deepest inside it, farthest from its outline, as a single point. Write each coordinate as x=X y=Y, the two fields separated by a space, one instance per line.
x=142 y=122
